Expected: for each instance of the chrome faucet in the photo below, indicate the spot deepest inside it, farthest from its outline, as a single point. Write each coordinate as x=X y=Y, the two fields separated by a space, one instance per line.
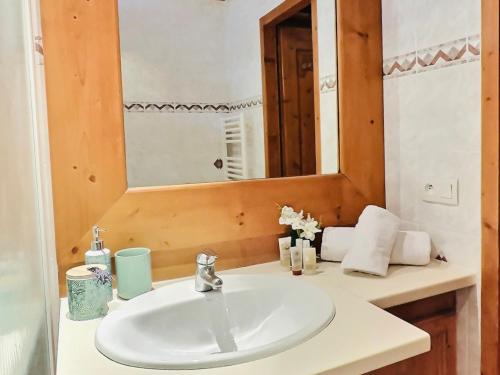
x=205 y=278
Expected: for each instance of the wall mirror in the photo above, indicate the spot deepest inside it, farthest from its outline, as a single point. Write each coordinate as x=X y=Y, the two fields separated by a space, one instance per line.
x=198 y=104
x=90 y=139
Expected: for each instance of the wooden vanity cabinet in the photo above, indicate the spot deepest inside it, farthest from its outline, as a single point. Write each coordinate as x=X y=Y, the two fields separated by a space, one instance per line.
x=437 y=316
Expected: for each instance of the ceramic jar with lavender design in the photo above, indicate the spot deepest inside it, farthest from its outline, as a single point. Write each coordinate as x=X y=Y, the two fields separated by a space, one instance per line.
x=89 y=291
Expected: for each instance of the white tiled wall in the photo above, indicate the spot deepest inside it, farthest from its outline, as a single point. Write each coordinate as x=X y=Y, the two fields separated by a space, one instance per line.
x=245 y=80
x=327 y=57
x=173 y=148
x=432 y=129
x=165 y=44
x=432 y=124
x=173 y=52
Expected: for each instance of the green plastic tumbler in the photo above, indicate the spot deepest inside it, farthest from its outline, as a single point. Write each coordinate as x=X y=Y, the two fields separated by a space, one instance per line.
x=133 y=272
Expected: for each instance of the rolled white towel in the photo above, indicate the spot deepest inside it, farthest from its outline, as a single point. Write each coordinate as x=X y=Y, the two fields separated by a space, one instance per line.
x=374 y=238
x=336 y=243
x=412 y=248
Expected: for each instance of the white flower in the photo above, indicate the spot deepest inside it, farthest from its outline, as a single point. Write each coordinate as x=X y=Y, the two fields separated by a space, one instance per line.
x=310 y=228
x=298 y=222
x=305 y=228
x=289 y=216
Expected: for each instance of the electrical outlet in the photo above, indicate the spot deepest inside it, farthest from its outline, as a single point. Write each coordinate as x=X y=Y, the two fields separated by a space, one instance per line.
x=441 y=190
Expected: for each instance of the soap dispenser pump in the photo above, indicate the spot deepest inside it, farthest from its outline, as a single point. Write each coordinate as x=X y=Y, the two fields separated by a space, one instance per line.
x=98 y=254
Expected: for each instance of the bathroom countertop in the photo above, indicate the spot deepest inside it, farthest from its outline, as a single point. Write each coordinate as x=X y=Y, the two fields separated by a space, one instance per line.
x=362 y=337
x=401 y=285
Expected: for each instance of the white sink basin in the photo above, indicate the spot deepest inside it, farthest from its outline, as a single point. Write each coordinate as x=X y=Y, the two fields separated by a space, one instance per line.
x=175 y=327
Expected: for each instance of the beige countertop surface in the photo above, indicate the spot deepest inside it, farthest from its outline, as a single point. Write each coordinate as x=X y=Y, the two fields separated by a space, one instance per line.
x=362 y=336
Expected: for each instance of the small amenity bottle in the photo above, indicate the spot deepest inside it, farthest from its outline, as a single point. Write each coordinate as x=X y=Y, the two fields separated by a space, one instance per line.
x=285 y=244
x=98 y=254
x=296 y=255
x=309 y=258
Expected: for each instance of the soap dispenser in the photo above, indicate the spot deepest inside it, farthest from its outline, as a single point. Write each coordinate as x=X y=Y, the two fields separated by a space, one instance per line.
x=98 y=254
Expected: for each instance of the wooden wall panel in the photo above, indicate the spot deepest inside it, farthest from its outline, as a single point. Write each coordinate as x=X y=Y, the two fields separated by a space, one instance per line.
x=490 y=291
x=236 y=219
x=83 y=81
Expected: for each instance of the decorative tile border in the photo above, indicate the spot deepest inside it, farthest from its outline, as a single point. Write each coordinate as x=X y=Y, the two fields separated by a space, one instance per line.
x=175 y=107
x=455 y=52
x=248 y=103
x=474 y=47
x=451 y=53
x=400 y=65
x=327 y=83
x=38 y=45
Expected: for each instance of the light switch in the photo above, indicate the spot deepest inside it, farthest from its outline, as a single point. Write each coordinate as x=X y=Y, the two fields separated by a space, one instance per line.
x=441 y=190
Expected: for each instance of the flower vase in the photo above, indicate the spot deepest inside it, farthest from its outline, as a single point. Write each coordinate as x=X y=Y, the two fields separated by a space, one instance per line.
x=318 y=240
x=294 y=235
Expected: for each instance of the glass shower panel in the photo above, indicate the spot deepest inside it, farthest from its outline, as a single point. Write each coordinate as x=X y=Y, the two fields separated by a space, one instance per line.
x=24 y=338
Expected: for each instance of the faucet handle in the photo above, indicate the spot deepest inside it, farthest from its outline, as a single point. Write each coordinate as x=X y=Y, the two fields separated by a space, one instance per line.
x=206 y=258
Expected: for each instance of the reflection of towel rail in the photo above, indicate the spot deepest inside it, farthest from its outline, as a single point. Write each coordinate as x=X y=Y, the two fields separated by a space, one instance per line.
x=235 y=147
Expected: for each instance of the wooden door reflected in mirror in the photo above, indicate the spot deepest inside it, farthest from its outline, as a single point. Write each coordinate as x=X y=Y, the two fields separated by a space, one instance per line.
x=299 y=60
x=296 y=90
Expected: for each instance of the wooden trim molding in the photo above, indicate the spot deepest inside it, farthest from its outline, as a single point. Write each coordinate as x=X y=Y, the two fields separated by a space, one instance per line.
x=237 y=219
x=490 y=210
x=317 y=86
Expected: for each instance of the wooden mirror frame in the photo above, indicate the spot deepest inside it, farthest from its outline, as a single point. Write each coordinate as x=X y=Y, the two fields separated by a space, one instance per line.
x=237 y=219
